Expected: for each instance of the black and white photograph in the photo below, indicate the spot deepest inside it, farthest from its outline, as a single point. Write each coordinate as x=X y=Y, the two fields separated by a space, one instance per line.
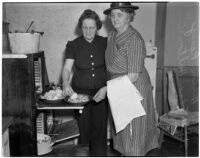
x=100 y=79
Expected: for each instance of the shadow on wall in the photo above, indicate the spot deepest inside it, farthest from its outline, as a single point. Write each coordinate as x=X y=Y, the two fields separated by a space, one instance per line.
x=63 y=62
x=77 y=32
x=107 y=24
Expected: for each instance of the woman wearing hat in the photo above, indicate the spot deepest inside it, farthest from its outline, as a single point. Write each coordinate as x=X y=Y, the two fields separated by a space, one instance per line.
x=125 y=56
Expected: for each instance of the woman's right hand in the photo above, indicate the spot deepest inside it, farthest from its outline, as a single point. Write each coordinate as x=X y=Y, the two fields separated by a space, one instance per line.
x=66 y=77
x=67 y=90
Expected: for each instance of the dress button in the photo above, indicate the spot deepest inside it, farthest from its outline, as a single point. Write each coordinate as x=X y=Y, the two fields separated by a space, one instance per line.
x=93 y=75
x=92 y=68
x=91 y=56
x=92 y=63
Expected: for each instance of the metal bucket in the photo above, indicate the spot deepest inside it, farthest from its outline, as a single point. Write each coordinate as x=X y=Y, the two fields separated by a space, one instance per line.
x=44 y=144
x=24 y=43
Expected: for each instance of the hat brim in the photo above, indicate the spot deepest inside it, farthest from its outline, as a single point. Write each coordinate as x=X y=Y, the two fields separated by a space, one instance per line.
x=107 y=11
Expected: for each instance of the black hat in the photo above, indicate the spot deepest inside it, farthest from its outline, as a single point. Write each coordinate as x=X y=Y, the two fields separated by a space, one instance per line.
x=118 y=5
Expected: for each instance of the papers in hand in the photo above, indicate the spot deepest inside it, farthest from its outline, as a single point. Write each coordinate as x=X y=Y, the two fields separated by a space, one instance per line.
x=125 y=101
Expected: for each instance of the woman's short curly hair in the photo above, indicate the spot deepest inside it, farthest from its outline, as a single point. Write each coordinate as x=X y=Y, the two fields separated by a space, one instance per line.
x=89 y=14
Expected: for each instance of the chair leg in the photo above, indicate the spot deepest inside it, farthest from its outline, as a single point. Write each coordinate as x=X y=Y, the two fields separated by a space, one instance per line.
x=186 y=141
x=161 y=138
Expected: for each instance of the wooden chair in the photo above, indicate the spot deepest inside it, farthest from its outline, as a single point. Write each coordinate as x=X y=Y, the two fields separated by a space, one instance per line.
x=177 y=123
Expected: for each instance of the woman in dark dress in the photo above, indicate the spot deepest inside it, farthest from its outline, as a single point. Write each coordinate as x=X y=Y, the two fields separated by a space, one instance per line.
x=87 y=54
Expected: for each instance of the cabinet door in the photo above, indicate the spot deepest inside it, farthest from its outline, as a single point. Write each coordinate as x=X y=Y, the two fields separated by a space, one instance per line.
x=18 y=101
x=16 y=89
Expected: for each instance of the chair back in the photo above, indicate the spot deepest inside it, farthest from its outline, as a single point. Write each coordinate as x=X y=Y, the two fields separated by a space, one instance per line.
x=173 y=94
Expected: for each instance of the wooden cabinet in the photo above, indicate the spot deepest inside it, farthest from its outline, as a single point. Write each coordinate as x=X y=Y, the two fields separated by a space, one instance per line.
x=23 y=77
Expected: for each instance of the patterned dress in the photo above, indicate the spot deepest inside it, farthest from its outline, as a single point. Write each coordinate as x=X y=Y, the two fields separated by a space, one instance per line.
x=125 y=54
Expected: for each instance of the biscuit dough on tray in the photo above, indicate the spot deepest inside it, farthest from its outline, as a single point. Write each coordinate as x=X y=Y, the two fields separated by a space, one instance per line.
x=53 y=94
x=78 y=98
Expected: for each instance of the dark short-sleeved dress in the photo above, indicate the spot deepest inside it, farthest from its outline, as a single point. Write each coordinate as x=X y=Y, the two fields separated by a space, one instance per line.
x=89 y=62
x=89 y=77
x=125 y=54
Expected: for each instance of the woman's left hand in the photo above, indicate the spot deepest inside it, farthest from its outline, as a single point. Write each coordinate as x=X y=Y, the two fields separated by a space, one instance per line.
x=100 y=95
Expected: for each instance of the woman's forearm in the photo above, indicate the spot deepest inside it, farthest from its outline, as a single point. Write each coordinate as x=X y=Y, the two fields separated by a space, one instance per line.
x=66 y=77
x=67 y=72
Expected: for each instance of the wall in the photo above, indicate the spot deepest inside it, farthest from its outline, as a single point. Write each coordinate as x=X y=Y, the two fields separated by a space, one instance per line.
x=58 y=22
x=181 y=53
x=181 y=41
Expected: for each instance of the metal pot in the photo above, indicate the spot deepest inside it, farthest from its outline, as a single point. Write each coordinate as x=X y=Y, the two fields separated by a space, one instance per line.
x=24 y=43
x=44 y=144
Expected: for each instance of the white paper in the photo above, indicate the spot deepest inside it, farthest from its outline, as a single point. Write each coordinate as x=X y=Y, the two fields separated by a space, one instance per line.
x=125 y=102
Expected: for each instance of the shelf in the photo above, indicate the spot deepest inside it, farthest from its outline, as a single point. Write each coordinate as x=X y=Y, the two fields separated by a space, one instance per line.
x=14 y=56
x=58 y=106
x=61 y=108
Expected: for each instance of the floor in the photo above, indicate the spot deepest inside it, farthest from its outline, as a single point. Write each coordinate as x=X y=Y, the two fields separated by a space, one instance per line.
x=169 y=148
